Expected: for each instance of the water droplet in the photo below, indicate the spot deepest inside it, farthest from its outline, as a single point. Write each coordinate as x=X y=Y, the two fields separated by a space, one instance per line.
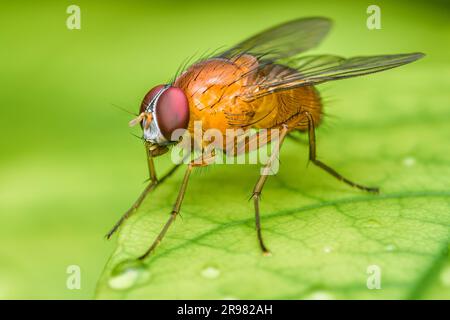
x=445 y=277
x=210 y=273
x=409 y=161
x=327 y=249
x=320 y=295
x=390 y=247
x=128 y=274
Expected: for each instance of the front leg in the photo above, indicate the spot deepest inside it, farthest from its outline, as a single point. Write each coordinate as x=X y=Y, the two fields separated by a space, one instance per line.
x=200 y=162
x=154 y=182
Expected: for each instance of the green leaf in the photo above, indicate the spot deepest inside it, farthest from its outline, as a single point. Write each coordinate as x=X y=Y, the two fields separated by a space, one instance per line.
x=324 y=235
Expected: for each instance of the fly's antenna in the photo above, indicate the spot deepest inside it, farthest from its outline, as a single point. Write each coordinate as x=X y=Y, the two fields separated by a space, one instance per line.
x=123 y=109
x=144 y=115
x=136 y=120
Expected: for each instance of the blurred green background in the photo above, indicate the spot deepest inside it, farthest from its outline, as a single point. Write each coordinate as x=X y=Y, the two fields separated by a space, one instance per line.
x=69 y=165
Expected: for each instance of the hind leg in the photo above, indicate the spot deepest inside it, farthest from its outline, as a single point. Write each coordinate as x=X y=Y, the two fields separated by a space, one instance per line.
x=320 y=164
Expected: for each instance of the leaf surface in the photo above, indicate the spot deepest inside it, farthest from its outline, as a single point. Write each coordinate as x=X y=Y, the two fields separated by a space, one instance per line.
x=325 y=236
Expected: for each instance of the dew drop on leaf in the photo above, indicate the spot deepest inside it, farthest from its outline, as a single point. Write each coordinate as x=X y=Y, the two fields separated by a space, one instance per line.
x=409 y=161
x=128 y=274
x=210 y=273
x=445 y=277
x=327 y=249
x=390 y=247
x=320 y=295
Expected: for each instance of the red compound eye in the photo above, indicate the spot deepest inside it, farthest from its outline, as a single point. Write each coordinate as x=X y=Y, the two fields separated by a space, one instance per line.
x=149 y=97
x=172 y=111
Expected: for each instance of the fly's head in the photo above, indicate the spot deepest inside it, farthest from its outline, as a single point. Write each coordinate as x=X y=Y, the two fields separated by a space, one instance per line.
x=163 y=110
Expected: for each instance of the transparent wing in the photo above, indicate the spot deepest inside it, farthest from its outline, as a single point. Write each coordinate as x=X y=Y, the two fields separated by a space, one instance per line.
x=282 y=41
x=311 y=70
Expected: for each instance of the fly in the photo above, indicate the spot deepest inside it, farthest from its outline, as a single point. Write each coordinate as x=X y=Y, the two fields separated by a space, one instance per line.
x=260 y=83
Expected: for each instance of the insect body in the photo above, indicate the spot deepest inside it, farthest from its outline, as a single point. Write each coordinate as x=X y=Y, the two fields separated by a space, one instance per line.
x=218 y=94
x=261 y=83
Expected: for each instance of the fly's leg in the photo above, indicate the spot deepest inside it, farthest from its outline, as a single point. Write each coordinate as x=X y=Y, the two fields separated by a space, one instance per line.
x=320 y=164
x=154 y=182
x=256 y=195
x=199 y=162
x=173 y=214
